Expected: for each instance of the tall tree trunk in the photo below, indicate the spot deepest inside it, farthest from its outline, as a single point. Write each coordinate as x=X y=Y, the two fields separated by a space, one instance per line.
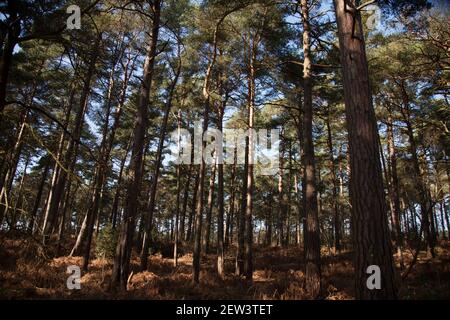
x=154 y=185
x=281 y=203
x=190 y=229
x=248 y=264
x=177 y=213
x=185 y=203
x=395 y=198
x=209 y=209
x=123 y=250
x=199 y=204
x=220 y=198
x=312 y=238
x=369 y=213
x=19 y=200
x=241 y=219
x=231 y=210
x=335 y=201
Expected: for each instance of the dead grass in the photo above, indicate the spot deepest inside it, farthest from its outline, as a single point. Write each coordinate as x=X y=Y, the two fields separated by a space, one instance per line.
x=26 y=273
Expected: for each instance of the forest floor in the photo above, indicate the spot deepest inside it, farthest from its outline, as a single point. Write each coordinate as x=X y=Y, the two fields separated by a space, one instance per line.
x=25 y=273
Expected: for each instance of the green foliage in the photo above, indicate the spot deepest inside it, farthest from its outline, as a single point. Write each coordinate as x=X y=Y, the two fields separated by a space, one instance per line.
x=106 y=242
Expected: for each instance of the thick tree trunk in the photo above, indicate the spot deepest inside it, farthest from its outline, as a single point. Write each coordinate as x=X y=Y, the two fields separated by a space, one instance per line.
x=369 y=213
x=123 y=250
x=312 y=238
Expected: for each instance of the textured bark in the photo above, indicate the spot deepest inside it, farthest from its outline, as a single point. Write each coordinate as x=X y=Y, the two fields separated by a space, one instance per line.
x=312 y=237
x=123 y=250
x=369 y=213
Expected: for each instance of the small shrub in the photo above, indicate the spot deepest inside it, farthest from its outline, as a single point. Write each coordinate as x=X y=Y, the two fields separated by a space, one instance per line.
x=105 y=246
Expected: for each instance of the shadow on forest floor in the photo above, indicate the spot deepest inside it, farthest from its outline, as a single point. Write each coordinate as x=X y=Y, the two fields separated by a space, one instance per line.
x=26 y=273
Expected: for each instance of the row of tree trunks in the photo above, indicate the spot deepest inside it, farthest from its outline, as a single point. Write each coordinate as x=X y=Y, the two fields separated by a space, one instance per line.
x=105 y=151
x=425 y=201
x=154 y=185
x=394 y=189
x=202 y=170
x=72 y=146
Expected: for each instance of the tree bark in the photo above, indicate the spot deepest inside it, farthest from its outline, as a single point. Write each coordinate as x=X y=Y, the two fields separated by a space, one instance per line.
x=123 y=250
x=312 y=238
x=369 y=213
